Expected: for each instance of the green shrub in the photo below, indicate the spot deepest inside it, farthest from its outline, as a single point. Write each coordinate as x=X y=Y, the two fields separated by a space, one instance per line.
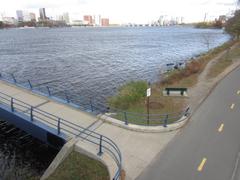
x=128 y=94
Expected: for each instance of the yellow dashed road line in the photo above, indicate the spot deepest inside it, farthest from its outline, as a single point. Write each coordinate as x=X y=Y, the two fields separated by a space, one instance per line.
x=220 y=129
x=201 y=165
x=232 y=106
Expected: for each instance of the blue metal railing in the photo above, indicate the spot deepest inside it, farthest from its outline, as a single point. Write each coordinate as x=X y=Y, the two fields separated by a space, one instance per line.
x=64 y=126
x=148 y=119
x=93 y=106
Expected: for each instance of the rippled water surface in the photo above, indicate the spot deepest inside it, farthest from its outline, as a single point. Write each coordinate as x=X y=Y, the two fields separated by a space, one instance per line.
x=21 y=156
x=94 y=62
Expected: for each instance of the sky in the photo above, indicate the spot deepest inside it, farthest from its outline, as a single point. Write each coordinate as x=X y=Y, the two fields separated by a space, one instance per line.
x=123 y=11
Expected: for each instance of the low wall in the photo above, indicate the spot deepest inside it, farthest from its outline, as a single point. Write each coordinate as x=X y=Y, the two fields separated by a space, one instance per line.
x=146 y=129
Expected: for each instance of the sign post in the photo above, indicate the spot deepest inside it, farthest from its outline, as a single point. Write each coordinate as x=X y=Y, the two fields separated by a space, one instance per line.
x=148 y=96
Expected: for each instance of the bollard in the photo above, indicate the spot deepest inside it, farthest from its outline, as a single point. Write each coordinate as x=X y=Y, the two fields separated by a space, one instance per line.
x=125 y=117
x=48 y=89
x=31 y=113
x=14 y=79
x=165 y=121
x=12 y=108
x=59 y=128
x=100 y=147
x=30 y=85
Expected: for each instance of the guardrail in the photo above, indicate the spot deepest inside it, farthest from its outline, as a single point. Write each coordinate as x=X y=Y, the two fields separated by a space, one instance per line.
x=47 y=91
x=64 y=126
x=95 y=107
x=148 y=119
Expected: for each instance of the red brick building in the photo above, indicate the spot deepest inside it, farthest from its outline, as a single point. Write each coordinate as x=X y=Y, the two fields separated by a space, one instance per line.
x=88 y=19
x=105 y=22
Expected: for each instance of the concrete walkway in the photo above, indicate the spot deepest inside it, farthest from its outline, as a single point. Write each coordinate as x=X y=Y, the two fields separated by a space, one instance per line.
x=138 y=149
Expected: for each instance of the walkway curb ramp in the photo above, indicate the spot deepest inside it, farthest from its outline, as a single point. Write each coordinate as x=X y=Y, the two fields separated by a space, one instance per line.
x=145 y=129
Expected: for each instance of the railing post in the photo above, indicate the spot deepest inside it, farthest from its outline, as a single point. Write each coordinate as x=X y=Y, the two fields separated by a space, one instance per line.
x=186 y=112
x=125 y=118
x=165 y=121
x=14 y=79
x=100 y=147
x=49 y=92
x=91 y=105
x=31 y=113
x=67 y=98
x=12 y=108
x=59 y=128
x=30 y=85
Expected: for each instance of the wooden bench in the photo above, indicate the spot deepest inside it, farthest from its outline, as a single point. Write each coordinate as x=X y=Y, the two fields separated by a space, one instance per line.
x=182 y=90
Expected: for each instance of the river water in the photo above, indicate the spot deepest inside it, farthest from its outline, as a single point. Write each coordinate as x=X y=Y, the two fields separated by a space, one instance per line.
x=94 y=62
x=89 y=62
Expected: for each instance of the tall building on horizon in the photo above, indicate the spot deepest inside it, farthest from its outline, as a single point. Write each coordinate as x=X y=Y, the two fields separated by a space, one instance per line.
x=25 y=16
x=63 y=17
x=19 y=15
x=66 y=18
x=42 y=13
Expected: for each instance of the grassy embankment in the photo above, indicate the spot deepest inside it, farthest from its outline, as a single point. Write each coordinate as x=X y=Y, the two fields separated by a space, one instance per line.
x=132 y=96
x=80 y=167
x=225 y=61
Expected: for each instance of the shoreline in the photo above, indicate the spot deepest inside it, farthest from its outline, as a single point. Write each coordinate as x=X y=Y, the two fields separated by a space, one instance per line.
x=172 y=79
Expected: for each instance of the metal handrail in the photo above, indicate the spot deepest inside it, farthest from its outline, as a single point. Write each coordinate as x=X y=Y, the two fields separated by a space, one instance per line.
x=108 y=144
x=97 y=107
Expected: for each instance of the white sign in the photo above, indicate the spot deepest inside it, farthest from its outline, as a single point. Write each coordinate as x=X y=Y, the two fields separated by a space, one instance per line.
x=148 y=92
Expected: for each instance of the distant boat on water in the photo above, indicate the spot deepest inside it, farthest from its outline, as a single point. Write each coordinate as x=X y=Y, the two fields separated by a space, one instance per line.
x=27 y=27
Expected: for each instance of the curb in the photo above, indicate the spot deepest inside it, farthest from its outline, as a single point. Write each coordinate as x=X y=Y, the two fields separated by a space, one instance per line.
x=145 y=129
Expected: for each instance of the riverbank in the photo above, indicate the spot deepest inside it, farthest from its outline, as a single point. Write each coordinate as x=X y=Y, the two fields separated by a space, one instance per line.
x=80 y=167
x=214 y=71
x=187 y=77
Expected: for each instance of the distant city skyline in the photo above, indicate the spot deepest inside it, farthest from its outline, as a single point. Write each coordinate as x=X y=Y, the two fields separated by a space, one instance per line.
x=124 y=11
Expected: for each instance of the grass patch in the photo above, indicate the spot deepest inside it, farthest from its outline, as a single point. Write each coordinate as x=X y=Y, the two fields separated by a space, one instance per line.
x=128 y=95
x=224 y=62
x=80 y=167
x=136 y=113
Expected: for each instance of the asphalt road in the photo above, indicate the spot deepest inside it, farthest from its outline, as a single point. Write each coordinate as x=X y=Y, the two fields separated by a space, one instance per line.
x=208 y=147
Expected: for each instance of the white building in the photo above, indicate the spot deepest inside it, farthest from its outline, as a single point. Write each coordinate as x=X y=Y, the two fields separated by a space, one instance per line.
x=98 y=20
x=63 y=17
x=26 y=16
x=66 y=18
x=77 y=22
